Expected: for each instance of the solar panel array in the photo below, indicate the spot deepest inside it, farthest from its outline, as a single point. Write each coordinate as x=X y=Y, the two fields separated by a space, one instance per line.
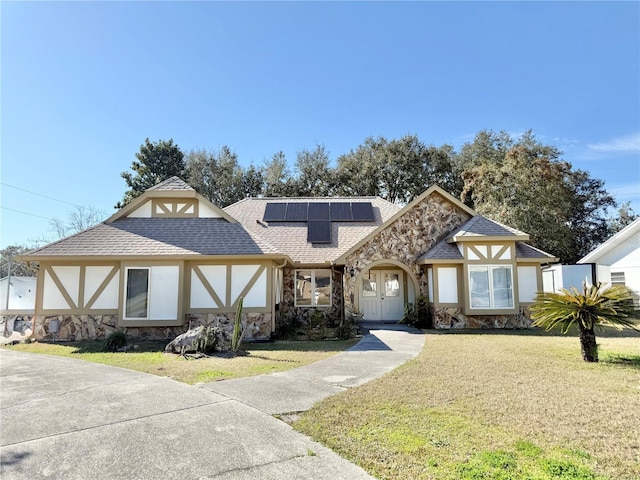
x=319 y=216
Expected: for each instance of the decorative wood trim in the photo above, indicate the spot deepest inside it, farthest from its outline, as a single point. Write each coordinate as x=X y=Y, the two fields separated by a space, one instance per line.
x=82 y=278
x=207 y=286
x=501 y=252
x=227 y=297
x=61 y=288
x=479 y=254
x=101 y=288
x=249 y=285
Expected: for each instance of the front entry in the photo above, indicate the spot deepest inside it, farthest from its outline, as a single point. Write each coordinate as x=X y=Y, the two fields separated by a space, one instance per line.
x=382 y=295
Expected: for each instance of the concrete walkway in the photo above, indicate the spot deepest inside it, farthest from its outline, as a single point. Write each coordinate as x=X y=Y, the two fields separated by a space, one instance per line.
x=66 y=418
x=380 y=351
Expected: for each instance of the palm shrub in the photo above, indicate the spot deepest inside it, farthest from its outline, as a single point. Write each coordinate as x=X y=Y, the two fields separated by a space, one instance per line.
x=596 y=305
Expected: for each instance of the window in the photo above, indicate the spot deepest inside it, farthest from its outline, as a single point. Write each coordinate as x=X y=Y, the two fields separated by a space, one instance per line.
x=617 y=278
x=137 y=293
x=313 y=288
x=151 y=294
x=491 y=286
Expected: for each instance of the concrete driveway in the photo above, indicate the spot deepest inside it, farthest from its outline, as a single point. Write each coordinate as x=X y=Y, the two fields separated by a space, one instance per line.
x=66 y=418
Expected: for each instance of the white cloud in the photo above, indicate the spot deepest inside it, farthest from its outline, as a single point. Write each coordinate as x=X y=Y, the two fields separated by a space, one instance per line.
x=624 y=144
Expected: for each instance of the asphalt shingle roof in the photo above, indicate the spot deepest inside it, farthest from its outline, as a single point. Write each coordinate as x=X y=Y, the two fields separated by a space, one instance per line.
x=482 y=226
x=290 y=238
x=173 y=183
x=158 y=236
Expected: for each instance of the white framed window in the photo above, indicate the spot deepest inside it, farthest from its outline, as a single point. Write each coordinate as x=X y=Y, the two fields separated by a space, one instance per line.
x=151 y=292
x=617 y=278
x=136 y=289
x=313 y=288
x=491 y=286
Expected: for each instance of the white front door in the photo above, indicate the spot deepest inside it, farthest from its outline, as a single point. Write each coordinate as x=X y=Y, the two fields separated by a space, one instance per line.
x=381 y=295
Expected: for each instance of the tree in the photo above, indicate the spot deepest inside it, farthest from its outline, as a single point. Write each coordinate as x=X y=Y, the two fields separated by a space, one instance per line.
x=625 y=217
x=314 y=175
x=216 y=175
x=594 y=306
x=18 y=269
x=276 y=177
x=156 y=161
x=524 y=184
x=78 y=220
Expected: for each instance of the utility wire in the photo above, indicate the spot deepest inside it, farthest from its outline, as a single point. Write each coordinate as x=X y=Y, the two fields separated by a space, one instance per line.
x=40 y=195
x=26 y=213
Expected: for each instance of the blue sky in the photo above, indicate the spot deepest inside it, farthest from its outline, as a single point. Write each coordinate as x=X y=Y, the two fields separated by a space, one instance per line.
x=84 y=83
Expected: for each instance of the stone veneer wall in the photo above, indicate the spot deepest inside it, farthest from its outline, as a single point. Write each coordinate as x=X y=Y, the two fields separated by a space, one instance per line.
x=14 y=328
x=91 y=327
x=288 y=310
x=445 y=318
x=406 y=239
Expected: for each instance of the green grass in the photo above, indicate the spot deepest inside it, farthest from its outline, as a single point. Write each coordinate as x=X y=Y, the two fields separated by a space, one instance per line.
x=500 y=405
x=150 y=358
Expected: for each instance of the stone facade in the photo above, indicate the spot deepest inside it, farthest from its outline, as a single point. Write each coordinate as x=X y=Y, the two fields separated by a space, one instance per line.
x=288 y=311
x=447 y=318
x=91 y=327
x=15 y=328
x=406 y=239
x=258 y=324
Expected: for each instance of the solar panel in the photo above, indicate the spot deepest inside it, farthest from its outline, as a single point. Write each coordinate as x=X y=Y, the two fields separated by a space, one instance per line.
x=319 y=231
x=275 y=212
x=297 y=212
x=362 y=212
x=318 y=211
x=341 y=212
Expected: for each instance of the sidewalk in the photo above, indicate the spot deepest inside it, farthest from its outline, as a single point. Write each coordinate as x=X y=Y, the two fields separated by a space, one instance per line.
x=382 y=349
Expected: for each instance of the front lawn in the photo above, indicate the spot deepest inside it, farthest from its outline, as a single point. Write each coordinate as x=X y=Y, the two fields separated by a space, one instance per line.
x=514 y=405
x=150 y=358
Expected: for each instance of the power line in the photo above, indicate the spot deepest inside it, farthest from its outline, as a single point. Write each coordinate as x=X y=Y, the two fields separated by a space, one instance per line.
x=40 y=195
x=26 y=213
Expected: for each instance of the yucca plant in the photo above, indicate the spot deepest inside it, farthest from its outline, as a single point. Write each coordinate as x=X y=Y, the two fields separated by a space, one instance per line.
x=596 y=305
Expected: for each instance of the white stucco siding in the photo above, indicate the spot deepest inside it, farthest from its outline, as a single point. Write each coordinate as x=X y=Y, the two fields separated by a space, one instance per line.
x=163 y=292
x=108 y=299
x=257 y=296
x=430 y=282
x=143 y=211
x=447 y=285
x=200 y=297
x=527 y=284
x=52 y=298
x=205 y=211
x=69 y=276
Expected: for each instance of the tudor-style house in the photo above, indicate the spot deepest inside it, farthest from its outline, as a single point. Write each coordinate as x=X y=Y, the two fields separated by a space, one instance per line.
x=171 y=259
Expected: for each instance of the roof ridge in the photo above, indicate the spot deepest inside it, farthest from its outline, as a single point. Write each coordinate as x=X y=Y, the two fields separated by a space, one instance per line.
x=175 y=181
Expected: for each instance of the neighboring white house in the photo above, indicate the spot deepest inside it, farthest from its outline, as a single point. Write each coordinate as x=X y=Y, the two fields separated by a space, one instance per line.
x=618 y=259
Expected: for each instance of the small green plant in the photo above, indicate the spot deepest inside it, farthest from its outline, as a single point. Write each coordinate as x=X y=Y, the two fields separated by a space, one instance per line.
x=114 y=341
x=238 y=331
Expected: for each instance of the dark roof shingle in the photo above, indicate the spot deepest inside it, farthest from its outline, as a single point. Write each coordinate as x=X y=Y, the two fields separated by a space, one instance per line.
x=158 y=237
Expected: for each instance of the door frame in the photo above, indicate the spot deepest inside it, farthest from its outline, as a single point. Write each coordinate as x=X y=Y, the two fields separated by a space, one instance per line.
x=384 y=265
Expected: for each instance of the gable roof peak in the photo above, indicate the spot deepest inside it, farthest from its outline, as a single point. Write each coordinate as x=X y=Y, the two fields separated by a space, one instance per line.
x=173 y=183
x=480 y=226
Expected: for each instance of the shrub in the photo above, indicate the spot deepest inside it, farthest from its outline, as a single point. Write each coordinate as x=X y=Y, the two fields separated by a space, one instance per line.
x=114 y=341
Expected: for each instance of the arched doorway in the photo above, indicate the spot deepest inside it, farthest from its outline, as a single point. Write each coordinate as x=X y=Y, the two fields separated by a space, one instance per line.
x=383 y=290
